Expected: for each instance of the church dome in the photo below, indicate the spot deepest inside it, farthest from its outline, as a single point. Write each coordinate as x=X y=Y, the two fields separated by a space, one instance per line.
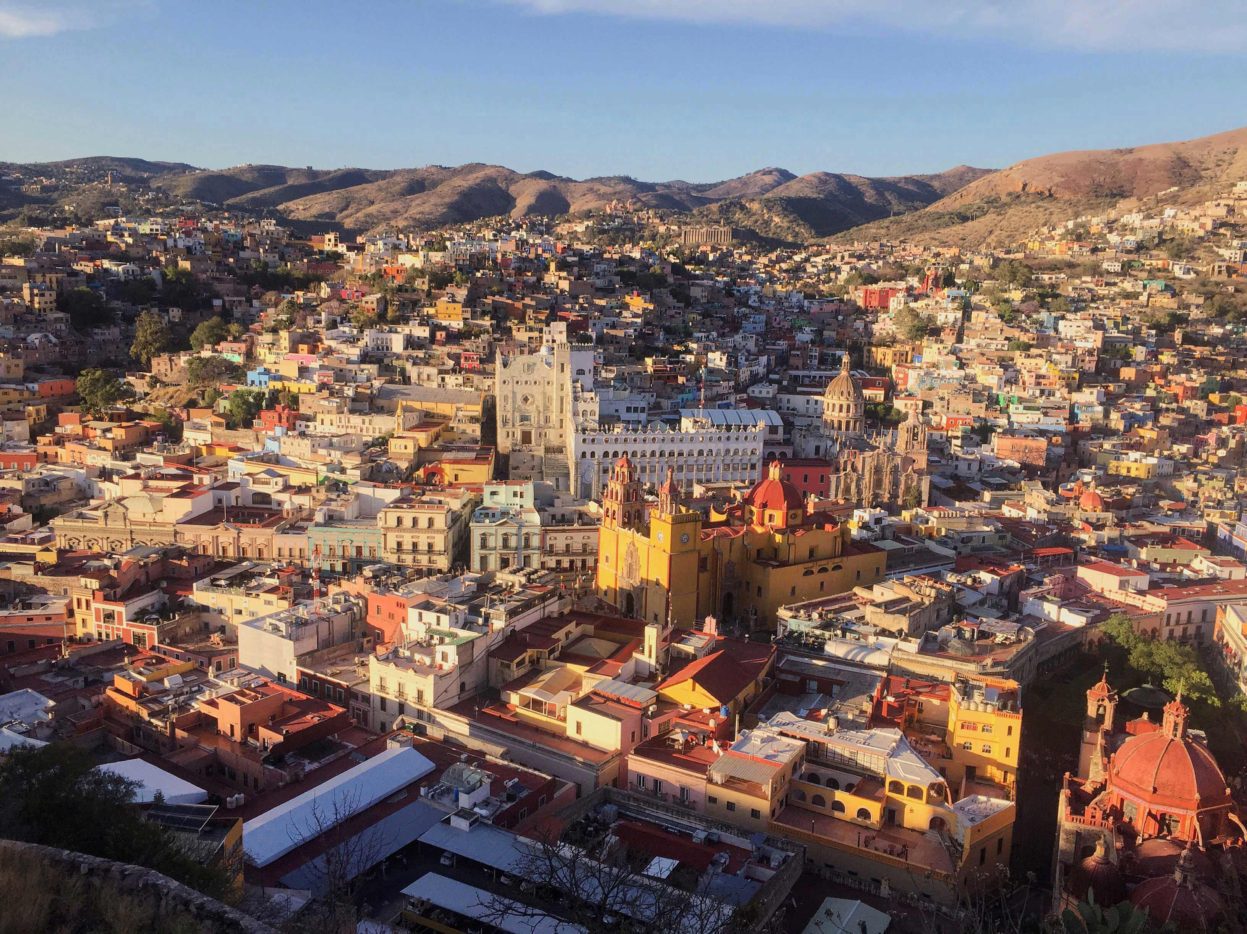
x=1099 y=875
x=1180 y=899
x=844 y=388
x=1091 y=501
x=1168 y=768
x=775 y=494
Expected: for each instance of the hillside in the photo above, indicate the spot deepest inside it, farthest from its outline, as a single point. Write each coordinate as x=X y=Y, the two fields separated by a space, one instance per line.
x=1008 y=204
x=771 y=201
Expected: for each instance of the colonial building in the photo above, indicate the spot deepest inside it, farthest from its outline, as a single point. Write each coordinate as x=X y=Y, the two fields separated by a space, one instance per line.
x=877 y=468
x=708 y=446
x=534 y=394
x=665 y=561
x=1149 y=816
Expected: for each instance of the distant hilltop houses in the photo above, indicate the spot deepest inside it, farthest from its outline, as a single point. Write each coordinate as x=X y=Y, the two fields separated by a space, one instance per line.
x=375 y=559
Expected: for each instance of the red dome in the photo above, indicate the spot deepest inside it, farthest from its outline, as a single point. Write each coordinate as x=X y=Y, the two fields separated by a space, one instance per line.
x=1099 y=875
x=1091 y=501
x=1163 y=769
x=775 y=494
x=1180 y=899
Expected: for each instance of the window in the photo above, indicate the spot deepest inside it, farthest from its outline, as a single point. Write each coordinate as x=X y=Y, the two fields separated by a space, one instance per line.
x=381 y=704
x=755 y=813
x=579 y=728
x=987 y=748
x=712 y=799
x=731 y=805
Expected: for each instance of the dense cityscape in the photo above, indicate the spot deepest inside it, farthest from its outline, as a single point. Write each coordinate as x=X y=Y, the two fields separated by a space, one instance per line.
x=595 y=570
x=415 y=521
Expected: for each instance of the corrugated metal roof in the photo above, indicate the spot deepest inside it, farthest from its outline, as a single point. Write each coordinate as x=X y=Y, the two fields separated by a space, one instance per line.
x=473 y=902
x=276 y=832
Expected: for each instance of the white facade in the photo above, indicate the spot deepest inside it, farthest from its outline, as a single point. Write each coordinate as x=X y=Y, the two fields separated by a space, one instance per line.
x=534 y=393
x=272 y=645
x=698 y=455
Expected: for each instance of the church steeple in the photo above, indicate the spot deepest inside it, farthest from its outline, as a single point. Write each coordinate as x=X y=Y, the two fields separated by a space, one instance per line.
x=622 y=506
x=669 y=494
x=1174 y=722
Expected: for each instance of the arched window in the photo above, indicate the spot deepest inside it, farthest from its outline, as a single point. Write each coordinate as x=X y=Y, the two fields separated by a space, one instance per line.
x=896 y=788
x=837 y=807
x=915 y=792
x=819 y=801
x=832 y=783
x=863 y=814
x=937 y=823
x=811 y=778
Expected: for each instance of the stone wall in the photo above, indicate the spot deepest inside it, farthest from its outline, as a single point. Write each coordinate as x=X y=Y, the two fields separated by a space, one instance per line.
x=143 y=884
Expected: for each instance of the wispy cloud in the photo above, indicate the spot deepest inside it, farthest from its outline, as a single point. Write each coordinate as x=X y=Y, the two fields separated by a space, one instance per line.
x=1099 y=25
x=30 y=20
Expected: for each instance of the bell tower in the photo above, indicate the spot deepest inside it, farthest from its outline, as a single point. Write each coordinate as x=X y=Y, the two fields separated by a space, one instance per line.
x=622 y=506
x=1097 y=728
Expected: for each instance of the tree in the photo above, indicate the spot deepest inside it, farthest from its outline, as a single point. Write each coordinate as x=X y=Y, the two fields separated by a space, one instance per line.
x=212 y=371
x=171 y=424
x=603 y=887
x=209 y=333
x=1015 y=274
x=99 y=389
x=1020 y=345
x=346 y=853
x=86 y=309
x=53 y=795
x=1177 y=666
x=181 y=289
x=911 y=325
x=242 y=406
x=151 y=337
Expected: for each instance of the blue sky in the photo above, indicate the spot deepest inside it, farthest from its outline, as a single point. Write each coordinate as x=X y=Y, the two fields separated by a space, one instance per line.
x=657 y=89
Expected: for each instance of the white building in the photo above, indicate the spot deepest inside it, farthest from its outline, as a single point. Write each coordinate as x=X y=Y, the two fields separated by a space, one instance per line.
x=272 y=645
x=534 y=393
x=709 y=446
x=526 y=524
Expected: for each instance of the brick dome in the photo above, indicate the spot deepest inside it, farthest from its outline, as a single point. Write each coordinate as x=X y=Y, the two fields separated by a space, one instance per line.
x=1091 y=501
x=1167 y=769
x=1099 y=875
x=775 y=494
x=1180 y=899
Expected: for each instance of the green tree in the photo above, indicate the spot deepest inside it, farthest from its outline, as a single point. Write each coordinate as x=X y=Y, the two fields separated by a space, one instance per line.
x=86 y=309
x=53 y=795
x=1019 y=345
x=1176 y=666
x=911 y=325
x=151 y=337
x=181 y=289
x=99 y=389
x=1015 y=274
x=172 y=425
x=242 y=406
x=209 y=333
x=212 y=371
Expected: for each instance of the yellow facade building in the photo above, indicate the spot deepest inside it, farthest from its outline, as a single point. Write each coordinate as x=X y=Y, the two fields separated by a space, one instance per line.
x=763 y=552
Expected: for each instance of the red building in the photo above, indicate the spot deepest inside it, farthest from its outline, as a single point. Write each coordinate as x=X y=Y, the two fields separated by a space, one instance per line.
x=810 y=475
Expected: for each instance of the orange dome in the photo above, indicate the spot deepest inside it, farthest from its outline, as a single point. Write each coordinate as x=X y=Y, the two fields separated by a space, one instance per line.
x=1180 y=899
x=774 y=494
x=1167 y=768
x=1099 y=875
x=1091 y=501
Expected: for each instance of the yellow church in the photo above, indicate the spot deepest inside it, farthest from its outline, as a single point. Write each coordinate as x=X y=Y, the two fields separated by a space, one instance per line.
x=763 y=552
